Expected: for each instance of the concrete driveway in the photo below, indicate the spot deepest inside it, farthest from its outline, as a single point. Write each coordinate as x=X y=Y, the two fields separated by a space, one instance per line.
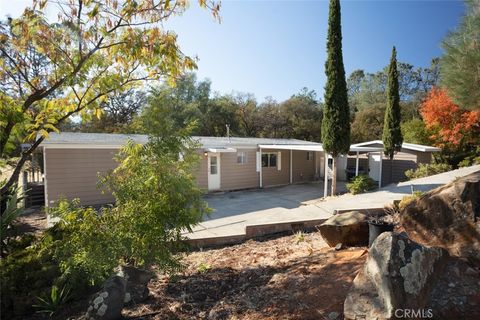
x=246 y=214
x=287 y=197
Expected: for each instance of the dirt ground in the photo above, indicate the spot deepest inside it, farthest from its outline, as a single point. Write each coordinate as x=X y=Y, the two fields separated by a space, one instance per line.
x=290 y=277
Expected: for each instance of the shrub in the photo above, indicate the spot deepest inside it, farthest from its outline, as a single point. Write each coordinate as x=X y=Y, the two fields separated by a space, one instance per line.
x=360 y=184
x=425 y=170
x=406 y=200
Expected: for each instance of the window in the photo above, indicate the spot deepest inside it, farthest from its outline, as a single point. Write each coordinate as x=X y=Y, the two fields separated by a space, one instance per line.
x=269 y=160
x=213 y=165
x=241 y=157
x=309 y=155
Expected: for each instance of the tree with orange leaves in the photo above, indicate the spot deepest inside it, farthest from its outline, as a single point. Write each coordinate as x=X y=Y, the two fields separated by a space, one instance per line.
x=455 y=130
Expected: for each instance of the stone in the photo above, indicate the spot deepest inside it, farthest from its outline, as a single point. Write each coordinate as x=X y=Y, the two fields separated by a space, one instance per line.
x=137 y=281
x=107 y=304
x=448 y=217
x=349 y=229
x=456 y=296
x=339 y=247
x=333 y=315
x=398 y=274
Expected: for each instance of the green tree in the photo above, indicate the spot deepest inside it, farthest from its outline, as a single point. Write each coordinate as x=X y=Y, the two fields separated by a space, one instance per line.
x=119 y=112
x=415 y=131
x=459 y=64
x=336 y=113
x=52 y=71
x=392 y=132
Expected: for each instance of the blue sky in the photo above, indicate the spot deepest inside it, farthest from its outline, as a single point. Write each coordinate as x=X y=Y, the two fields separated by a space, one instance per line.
x=274 y=48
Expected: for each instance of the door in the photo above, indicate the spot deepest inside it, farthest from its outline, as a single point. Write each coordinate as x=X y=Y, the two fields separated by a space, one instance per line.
x=213 y=171
x=374 y=166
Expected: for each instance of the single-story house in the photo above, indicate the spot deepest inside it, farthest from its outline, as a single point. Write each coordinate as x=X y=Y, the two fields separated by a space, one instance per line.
x=72 y=162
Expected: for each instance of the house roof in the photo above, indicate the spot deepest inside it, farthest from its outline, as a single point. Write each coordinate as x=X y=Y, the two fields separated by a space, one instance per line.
x=405 y=145
x=99 y=140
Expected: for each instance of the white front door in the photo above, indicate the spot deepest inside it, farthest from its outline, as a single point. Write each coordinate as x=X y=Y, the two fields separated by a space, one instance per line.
x=374 y=166
x=213 y=171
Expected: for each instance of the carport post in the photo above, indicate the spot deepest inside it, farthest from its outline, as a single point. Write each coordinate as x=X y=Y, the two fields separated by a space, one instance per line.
x=356 y=165
x=261 y=179
x=291 y=158
x=325 y=186
x=380 y=169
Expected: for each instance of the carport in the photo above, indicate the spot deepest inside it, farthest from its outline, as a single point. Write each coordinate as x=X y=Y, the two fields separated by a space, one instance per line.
x=319 y=148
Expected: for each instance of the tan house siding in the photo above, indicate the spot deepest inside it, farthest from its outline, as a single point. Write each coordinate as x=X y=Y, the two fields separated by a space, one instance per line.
x=303 y=169
x=424 y=157
x=402 y=162
x=273 y=176
x=235 y=176
x=201 y=171
x=73 y=173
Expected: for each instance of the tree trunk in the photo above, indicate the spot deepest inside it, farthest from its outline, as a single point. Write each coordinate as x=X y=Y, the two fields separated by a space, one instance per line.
x=334 y=176
x=4 y=190
x=391 y=170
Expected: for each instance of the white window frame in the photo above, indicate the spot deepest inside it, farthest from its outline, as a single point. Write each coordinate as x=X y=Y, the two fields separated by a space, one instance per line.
x=242 y=156
x=278 y=156
x=309 y=155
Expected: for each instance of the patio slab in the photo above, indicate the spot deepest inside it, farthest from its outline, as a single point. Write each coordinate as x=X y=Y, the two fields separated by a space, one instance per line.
x=282 y=209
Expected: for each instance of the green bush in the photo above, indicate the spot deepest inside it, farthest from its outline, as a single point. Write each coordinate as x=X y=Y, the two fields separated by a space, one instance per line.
x=360 y=184
x=425 y=170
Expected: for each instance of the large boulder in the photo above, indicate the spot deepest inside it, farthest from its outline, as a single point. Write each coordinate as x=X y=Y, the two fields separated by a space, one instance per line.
x=349 y=228
x=107 y=304
x=398 y=274
x=137 y=281
x=448 y=217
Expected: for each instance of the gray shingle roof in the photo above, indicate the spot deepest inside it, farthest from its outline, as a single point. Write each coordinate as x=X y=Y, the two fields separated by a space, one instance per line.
x=78 y=138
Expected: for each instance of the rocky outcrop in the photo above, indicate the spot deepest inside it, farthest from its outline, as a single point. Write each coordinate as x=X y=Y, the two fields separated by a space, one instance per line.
x=107 y=304
x=457 y=293
x=137 y=280
x=398 y=274
x=129 y=285
x=448 y=217
x=349 y=229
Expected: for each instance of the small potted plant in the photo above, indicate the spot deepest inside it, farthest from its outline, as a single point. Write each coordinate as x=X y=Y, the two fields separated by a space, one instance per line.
x=380 y=222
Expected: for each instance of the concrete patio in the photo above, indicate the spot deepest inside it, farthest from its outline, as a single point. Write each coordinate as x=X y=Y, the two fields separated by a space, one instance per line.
x=246 y=214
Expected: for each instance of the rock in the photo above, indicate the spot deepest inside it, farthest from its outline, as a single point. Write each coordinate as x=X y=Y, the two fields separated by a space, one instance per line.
x=456 y=296
x=107 y=304
x=398 y=274
x=137 y=281
x=349 y=228
x=448 y=217
x=339 y=247
x=333 y=315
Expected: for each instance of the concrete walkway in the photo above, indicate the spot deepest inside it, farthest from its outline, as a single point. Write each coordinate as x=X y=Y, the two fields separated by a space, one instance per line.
x=234 y=228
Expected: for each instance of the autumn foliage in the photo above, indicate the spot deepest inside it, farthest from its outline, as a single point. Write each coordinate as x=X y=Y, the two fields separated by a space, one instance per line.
x=449 y=123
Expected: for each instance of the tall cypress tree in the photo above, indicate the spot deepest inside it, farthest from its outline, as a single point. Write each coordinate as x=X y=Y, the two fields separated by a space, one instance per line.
x=392 y=133
x=336 y=112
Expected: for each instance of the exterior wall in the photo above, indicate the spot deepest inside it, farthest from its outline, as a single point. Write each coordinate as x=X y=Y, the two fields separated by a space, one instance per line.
x=402 y=162
x=73 y=173
x=424 y=157
x=235 y=176
x=201 y=171
x=273 y=176
x=303 y=169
